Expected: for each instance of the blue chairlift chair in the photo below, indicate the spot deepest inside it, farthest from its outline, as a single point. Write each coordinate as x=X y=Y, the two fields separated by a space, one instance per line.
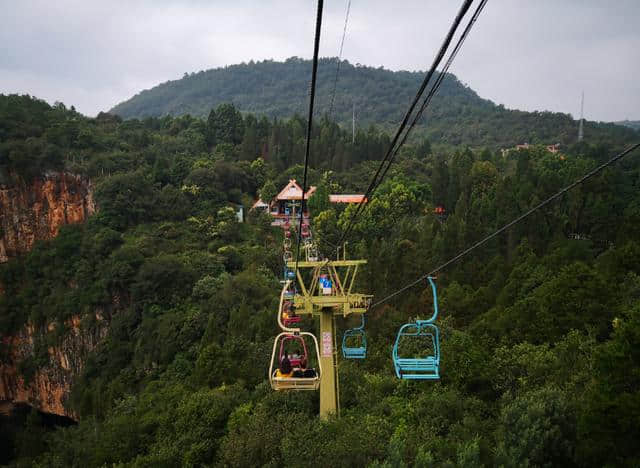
x=290 y=292
x=356 y=334
x=427 y=365
x=289 y=273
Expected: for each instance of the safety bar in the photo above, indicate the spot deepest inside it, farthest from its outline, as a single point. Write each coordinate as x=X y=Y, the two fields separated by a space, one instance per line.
x=435 y=304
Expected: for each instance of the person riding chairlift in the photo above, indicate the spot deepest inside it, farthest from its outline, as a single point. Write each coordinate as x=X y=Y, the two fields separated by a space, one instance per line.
x=305 y=231
x=303 y=372
x=285 y=369
x=288 y=311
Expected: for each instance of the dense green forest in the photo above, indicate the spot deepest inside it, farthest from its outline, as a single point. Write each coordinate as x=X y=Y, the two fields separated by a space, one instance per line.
x=540 y=328
x=457 y=115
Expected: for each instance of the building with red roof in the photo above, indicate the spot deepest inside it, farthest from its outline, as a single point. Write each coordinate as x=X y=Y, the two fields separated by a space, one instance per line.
x=286 y=205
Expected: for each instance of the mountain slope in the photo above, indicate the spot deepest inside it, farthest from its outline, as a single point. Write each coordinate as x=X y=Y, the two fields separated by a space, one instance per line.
x=635 y=124
x=279 y=89
x=153 y=323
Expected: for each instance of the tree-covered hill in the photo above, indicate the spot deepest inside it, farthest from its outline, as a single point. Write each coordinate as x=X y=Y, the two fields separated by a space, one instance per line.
x=280 y=89
x=540 y=327
x=635 y=124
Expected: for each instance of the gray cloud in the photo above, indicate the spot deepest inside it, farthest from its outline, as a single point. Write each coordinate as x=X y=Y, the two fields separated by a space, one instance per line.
x=528 y=54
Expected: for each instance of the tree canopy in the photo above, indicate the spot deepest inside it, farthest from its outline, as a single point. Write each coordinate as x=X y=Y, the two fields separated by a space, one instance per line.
x=540 y=327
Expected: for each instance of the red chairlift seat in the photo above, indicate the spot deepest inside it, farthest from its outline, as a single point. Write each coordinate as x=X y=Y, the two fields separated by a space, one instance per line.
x=295 y=361
x=305 y=231
x=309 y=382
x=289 y=317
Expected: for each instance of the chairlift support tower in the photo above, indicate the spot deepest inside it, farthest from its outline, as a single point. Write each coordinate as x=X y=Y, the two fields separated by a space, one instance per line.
x=342 y=301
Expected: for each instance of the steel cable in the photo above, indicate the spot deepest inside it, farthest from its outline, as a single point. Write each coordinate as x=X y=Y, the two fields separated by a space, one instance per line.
x=468 y=250
x=440 y=55
x=312 y=95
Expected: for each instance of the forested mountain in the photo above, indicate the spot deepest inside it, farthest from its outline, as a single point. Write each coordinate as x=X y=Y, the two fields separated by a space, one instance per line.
x=635 y=124
x=279 y=89
x=540 y=327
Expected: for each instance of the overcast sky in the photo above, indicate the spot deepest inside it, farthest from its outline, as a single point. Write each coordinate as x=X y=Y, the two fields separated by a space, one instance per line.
x=525 y=54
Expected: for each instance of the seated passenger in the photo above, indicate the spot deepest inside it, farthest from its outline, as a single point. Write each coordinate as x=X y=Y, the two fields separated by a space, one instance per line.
x=285 y=369
x=295 y=360
x=298 y=372
x=303 y=371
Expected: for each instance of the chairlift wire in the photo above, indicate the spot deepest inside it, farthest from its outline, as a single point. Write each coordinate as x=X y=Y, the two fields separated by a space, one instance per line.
x=333 y=94
x=468 y=250
x=427 y=100
x=436 y=85
x=335 y=80
x=312 y=95
x=442 y=51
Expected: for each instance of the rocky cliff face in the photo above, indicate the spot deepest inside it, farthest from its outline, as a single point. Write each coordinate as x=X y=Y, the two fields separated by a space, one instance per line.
x=32 y=211
x=47 y=388
x=36 y=210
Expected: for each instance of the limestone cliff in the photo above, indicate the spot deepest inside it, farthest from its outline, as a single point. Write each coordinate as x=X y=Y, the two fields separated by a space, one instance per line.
x=31 y=211
x=35 y=210
x=47 y=388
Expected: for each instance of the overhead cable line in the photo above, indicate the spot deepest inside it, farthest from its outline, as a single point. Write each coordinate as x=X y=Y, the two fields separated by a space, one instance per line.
x=425 y=103
x=335 y=80
x=333 y=94
x=468 y=250
x=443 y=49
x=435 y=86
x=312 y=95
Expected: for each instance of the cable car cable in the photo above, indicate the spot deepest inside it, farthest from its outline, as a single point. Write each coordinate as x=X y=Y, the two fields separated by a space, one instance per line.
x=432 y=92
x=312 y=95
x=427 y=100
x=443 y=49
x=335 y=80
x=582 y=179
x=436 y=85
x=333 y=92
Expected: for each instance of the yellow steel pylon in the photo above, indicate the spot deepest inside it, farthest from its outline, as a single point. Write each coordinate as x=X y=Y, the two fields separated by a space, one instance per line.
x=313 y=299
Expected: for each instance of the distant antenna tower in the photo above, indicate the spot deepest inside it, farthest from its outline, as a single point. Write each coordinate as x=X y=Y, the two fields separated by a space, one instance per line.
x=353 y=124
x=581 y=127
